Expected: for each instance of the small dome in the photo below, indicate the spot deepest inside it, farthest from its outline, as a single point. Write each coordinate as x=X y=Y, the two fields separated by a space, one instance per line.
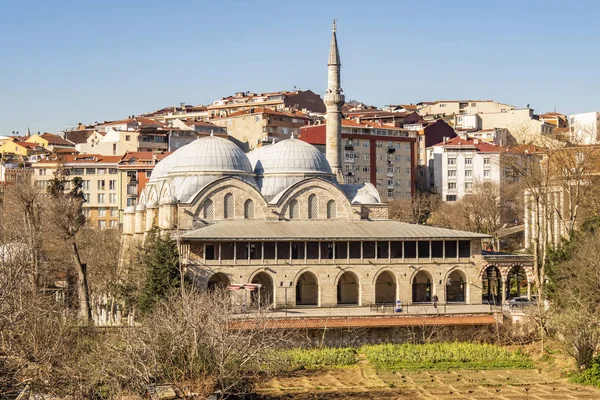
x=255 y=155
x=162 y=168
x=367 y=194
x=129 y=210
x=210 y=154
x=152 y=204
x=291 y=156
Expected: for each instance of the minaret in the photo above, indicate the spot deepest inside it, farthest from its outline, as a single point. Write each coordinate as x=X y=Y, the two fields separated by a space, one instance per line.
x=334 y=99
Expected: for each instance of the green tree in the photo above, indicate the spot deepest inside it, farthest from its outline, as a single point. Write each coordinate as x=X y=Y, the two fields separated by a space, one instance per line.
x=161 y=260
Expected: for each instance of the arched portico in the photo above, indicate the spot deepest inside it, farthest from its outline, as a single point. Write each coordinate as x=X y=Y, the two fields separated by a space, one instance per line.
x=456 y=287
x=307 y=289
x=385 y=288
x=491 y=284
x=218 y=281
x=263 y=295
x=348 y=289
x=422 y=285
x=516 y=282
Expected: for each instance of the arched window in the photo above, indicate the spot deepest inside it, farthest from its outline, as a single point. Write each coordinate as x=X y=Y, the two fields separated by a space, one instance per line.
x=294 y=209
x=331 y=209
x=313 y=207
x=249 y=209
x=228 y=206
x=208 y=209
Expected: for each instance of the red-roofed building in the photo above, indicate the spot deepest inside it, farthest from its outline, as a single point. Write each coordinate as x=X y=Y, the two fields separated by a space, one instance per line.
x=461 y=162
x=53 y=143
x=382 y=155
x=255 y=126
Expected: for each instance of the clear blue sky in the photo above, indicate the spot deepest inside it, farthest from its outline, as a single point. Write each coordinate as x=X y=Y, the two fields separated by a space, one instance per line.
x=64 y=62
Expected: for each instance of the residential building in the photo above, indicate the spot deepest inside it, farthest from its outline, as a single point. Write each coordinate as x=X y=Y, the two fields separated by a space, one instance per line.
x=99 y=174
x=585 y=128
x=183 y=111
x=499 y=136
x=53 y=143
x=461 y=162
x=25 y=150
x=134 y=170
x=555 y=119
x=278 y=101
x=13 y=173
x=391 y=118
x=401 y=108
x=252 y=127
x=381 y=155
x=429 y=133
x=456 y=107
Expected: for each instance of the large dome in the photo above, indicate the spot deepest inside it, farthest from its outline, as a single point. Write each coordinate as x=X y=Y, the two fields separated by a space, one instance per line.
x=210 y=154
x=291 y=156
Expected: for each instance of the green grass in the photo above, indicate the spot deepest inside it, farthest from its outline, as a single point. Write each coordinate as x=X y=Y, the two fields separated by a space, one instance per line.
x=443 y=356
x=319 y=358
x=589 y=376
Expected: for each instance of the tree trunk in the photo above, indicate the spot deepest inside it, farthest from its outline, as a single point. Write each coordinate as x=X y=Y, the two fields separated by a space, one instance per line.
x=85 y=311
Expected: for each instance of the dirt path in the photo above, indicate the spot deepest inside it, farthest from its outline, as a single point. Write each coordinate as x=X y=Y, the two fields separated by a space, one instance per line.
x=363 y=382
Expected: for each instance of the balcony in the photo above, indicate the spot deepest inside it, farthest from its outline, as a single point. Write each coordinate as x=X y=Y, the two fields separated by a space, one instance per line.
x=349 y=147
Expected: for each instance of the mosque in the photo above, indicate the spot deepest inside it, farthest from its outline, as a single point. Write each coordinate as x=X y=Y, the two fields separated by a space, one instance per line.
x=281 y=219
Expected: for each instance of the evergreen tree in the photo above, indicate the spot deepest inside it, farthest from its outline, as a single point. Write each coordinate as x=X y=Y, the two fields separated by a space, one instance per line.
x=161 y=259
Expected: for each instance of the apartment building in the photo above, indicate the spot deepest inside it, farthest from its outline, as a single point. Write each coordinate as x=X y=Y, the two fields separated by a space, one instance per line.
x=252 y=127
x=497 y=136
x=459 y=163
x=134 y=170
x=183 y=111
x=555 y=119
x=373 y=153
x=23 y=150
x=53 y=143
x=455 y=107
x=13 y=173
x=391 y=118
x=99 y=174
x=584 y=128
x=279 y=101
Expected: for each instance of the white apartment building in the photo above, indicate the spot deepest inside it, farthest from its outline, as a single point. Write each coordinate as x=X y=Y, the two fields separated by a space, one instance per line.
x=455 y=107
x=584 y=128
x=461 y=162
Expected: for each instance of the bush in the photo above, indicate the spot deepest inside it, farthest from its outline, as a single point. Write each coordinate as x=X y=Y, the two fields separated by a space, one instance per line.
x=589 y=376
x=443 y=356
x=317 y=358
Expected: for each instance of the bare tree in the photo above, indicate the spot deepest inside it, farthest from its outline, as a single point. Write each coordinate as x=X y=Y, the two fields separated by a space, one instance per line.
x=415 y=210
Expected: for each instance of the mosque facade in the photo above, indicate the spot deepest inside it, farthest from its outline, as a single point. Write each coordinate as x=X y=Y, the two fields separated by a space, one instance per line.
x=280 y=218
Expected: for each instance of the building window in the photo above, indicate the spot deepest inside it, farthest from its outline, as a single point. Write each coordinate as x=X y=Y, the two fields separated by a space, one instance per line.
x=313 y=207
x=468 y=185
x=77 y=171
x=228 y=206
x=451 y=185
x=486 y=173
x=366 y=169
x=101 y=198
x=294 y=209
x=101 y=171
x=331 y=209
x=112 y=185
x=85 y=185
x=101 y=212
x=452 y=161
x=486 y=161
x=379 y=144
x=114 y=223
x=90 y=171
x=208 y=209
x=451 y=197
x=367 y=157
x=249 y=209
x=127 y=138
x=86 y=212
x=468 y=172
x=112 y=171
x=390 y=194
x=365 y=143
x=114 y=212
x=86 y=197
x=102 y=185
x=468 y=161
x=112 y=198
x=451 y=172
x=102 y=224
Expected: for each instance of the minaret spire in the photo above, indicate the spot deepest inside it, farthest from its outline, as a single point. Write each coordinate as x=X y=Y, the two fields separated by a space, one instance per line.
x=334 y=100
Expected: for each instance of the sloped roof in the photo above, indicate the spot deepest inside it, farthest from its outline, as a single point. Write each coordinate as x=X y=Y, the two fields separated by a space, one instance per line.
x=56 y=140
x=324 y=230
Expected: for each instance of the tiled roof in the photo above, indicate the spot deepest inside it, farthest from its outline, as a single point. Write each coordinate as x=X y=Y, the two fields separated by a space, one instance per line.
x=370 y=322
x=199 y=123
x=56 y=140
x=31 y=146
x=267 y=111
x=144 y=155
x=81 y=158
x=325 y=230
x=479 y=145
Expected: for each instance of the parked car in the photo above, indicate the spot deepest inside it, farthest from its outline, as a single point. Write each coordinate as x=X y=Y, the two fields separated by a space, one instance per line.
x=519 y=302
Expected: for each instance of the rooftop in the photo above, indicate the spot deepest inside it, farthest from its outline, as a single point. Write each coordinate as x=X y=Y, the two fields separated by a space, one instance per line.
x=324 y=230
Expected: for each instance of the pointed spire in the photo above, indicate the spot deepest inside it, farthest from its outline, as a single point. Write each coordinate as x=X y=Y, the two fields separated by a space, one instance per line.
x=292 y=135
x=212 y=132
x=334 y=54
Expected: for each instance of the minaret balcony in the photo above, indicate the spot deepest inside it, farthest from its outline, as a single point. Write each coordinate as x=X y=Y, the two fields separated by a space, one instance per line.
x=334 y=98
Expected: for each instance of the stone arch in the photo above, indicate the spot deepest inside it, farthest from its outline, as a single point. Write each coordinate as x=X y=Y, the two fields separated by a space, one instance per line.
x=218 y=280
x=516 y=282
x=152 y=193
x=456 y=286
x=307 y=288
x=166 y=190
x=313 y=207
x=491 y=284
x=249 y=209
x=143 y=196
x=422 y=286
x=331 y=209
x=348 y=288
x=265 y=295
x=385 y=287
x=228 y=206
x=323 y=189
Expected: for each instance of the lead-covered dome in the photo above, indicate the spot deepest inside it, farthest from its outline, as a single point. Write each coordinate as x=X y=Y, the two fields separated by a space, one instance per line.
x=210 y=154
x=291 y=156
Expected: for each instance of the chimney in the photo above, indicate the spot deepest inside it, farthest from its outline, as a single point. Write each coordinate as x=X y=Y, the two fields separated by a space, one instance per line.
x=445 y=139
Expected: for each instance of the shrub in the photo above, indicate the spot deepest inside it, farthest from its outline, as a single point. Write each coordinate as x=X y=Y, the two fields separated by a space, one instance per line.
x=590 y=375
